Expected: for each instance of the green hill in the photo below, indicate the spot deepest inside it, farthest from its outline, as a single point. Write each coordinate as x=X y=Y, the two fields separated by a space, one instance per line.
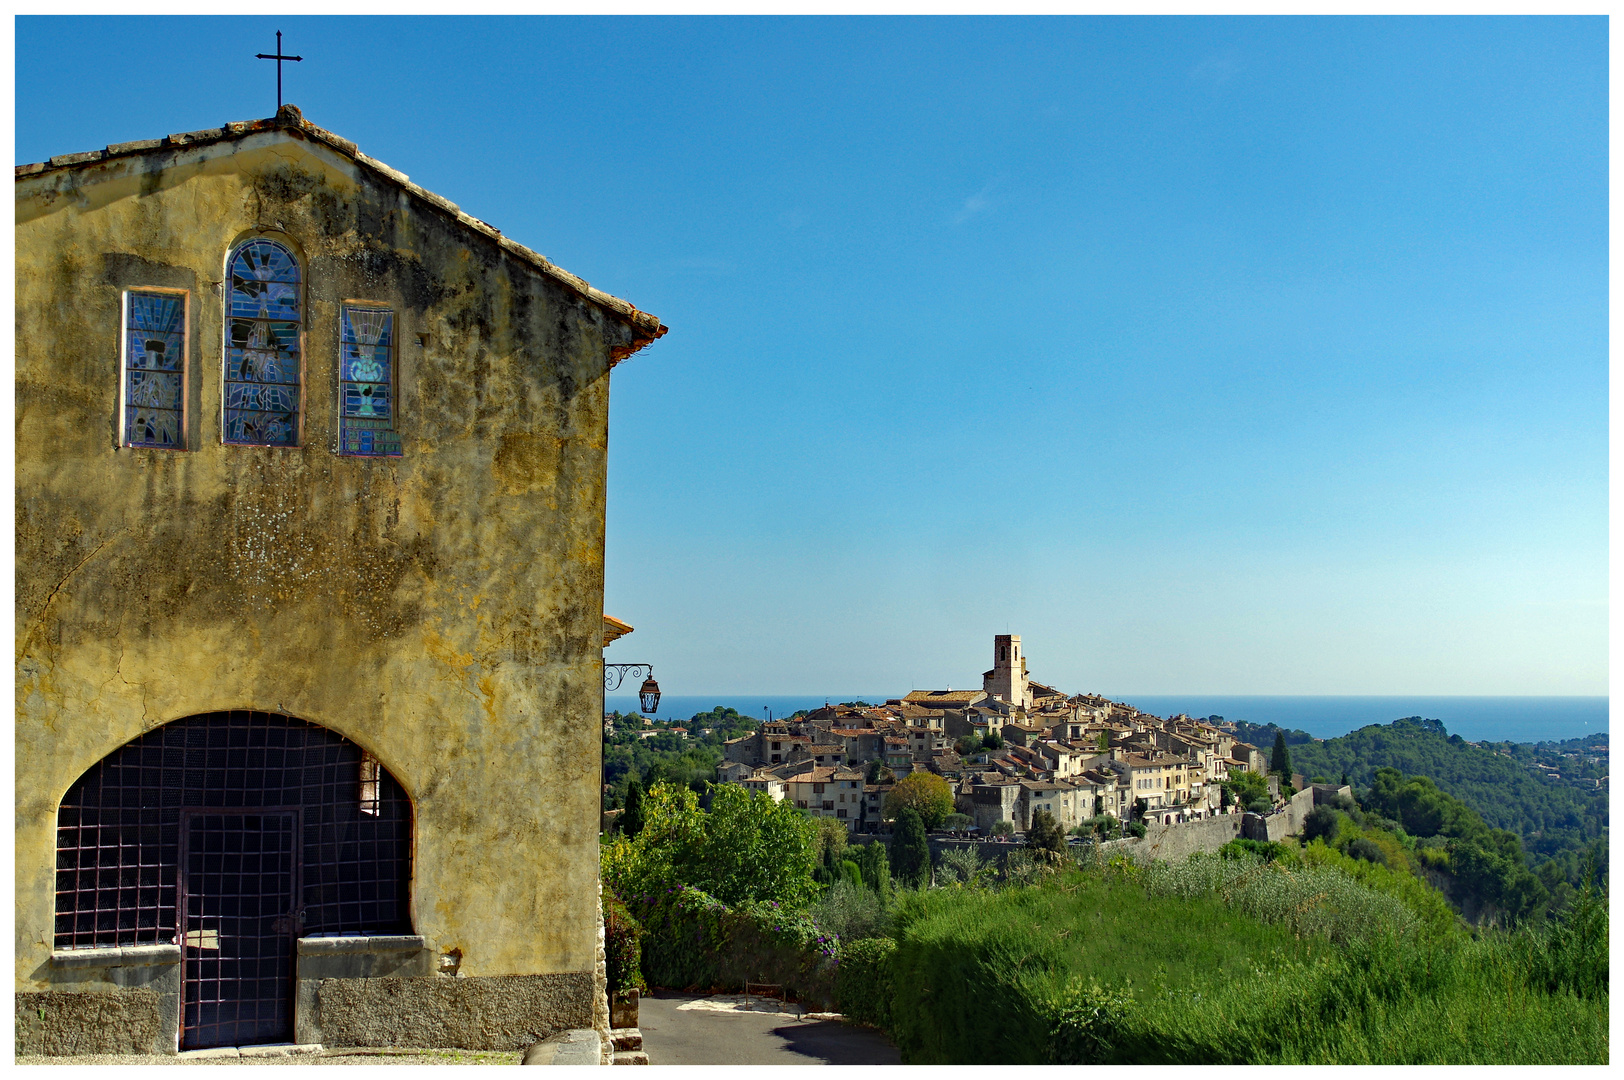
x=1555 y=819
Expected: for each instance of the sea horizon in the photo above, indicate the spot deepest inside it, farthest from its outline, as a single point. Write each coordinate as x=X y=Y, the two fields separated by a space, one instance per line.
x=1476 y=718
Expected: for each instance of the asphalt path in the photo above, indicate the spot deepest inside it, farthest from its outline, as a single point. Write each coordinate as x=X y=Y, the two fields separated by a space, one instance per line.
x=673 y=1036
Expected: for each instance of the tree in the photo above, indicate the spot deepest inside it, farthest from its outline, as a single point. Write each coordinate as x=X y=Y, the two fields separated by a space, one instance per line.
x=927 y=794
x=992 y=740
x=879 y=773
x=1280 y=760
x=1320 y=824
x=1003 y=828
x=910 y=851
x=1045 y=837
x=1103 y=743
x=967 y=745
x=876 y=868
x=631 y=821
x=749 y=846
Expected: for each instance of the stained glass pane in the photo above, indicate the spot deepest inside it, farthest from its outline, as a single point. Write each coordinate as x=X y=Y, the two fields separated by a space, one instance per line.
x=262 y=368
x=366 y=383
x=154 y=368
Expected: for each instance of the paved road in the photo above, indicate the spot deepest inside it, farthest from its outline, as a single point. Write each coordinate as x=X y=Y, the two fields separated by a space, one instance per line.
x=673 y=1036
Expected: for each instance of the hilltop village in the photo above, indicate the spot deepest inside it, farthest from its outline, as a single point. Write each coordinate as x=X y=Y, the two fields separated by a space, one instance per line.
x=1012 y=748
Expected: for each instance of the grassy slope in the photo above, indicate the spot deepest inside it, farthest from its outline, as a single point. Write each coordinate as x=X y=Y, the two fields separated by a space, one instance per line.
x=978 y=975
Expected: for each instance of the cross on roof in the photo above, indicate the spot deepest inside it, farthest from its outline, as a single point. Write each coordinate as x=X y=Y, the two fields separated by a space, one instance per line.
x=278 y=57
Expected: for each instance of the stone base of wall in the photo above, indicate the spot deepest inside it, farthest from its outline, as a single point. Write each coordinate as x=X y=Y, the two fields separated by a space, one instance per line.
x=104 y=1001
x=502 y=1012
x=88 y=1022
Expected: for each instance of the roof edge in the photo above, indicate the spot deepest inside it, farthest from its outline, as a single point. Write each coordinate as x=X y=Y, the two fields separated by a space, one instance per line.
x=288 y=118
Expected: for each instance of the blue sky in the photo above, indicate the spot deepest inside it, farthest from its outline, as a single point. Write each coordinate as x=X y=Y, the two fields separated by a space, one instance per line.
x=1236 y=356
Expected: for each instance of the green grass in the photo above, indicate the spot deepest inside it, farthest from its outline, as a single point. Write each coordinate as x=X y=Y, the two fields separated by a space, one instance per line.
x=1210 y=962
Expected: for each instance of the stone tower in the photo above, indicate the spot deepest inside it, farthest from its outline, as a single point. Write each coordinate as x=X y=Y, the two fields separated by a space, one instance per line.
x=1007 y=679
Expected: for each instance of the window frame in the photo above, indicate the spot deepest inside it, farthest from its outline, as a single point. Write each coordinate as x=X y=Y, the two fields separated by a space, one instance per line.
x=303 y=306
x=395 y=353
x=185 y=432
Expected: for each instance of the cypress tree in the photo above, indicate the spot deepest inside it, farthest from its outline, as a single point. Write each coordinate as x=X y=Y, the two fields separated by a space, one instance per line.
x=1280 y=760
x=631 y=822
x=910 y=851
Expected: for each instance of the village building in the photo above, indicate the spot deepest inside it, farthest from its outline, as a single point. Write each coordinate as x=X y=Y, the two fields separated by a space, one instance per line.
x=310 y=475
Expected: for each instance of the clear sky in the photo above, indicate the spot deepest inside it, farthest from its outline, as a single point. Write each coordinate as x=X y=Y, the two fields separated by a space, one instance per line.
x=1237 y=356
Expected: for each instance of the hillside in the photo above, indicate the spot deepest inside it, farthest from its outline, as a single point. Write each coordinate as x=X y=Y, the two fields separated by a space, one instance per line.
x=1555 y=818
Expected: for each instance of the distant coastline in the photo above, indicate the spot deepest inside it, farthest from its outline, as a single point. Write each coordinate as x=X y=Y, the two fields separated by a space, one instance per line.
x=1514 y=719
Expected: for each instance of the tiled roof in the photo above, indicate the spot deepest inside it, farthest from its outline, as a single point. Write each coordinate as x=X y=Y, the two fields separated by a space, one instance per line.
x=290 y=120
x=944 y=697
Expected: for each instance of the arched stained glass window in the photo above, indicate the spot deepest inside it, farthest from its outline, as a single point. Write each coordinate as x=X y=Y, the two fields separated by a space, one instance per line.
x=262 y=367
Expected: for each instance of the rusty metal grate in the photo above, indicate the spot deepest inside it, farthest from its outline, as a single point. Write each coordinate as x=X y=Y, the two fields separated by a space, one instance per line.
x=119 y=827
x=238 y=902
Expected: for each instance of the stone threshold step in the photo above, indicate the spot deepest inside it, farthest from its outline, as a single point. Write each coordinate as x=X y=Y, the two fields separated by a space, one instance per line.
x=270 y=1050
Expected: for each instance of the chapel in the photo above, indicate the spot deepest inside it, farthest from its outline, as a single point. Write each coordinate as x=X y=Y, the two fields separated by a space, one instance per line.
x=310 y=482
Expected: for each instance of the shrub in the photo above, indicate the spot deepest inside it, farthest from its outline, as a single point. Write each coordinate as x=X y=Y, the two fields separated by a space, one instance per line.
x=1320 y=824
x=959 y=864
x=1086 y=1022
x=851 y=911
x=622 y=946
x=1242 y=848
x=1367 y=849
x=863 y=984
x=1003 y=828
x=1135 y=828
x=692 y=940
x=958 y=821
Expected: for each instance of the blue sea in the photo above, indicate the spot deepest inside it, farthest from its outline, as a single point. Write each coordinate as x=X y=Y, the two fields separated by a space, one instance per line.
x=1514 y=719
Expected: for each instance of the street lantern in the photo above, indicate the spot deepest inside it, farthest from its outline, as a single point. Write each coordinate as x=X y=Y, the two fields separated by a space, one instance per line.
x=649 y=695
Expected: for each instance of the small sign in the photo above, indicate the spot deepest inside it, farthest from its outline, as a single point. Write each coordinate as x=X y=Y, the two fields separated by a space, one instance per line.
x=202 y=939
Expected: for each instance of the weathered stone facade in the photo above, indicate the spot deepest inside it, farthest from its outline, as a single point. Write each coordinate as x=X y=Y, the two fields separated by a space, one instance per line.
x=442 y=609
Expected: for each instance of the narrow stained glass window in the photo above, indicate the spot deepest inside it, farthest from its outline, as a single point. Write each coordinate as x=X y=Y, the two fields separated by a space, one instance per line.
x=262 y=347
x=154 y=368
x=367 y=383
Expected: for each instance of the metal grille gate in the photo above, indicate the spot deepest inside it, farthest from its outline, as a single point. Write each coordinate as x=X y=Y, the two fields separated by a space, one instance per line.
x=238 y=923
x=232 y=834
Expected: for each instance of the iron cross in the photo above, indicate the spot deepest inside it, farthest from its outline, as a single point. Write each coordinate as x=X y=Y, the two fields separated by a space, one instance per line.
x=278 y=58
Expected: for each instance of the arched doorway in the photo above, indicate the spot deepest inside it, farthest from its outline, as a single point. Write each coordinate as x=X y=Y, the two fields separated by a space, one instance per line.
x=232 y=835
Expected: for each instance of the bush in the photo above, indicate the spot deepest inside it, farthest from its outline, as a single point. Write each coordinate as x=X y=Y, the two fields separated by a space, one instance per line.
x=851 y=911
x=863 y=984
x=622 y=946
x=1135 y=828
x=692 y=940
x=1086 y=1022
x=958 y=822
x=1320 y=824
x=1003 y=828
x=1242 y=848
x=1367 y=849
x=959 y=864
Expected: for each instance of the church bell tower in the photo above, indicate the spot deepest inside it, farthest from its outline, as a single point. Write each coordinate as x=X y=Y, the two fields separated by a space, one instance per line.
x=1007 y=679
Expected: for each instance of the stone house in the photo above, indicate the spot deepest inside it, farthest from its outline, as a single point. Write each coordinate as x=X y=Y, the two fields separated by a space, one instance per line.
x=831 y=792
x=310 y=476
